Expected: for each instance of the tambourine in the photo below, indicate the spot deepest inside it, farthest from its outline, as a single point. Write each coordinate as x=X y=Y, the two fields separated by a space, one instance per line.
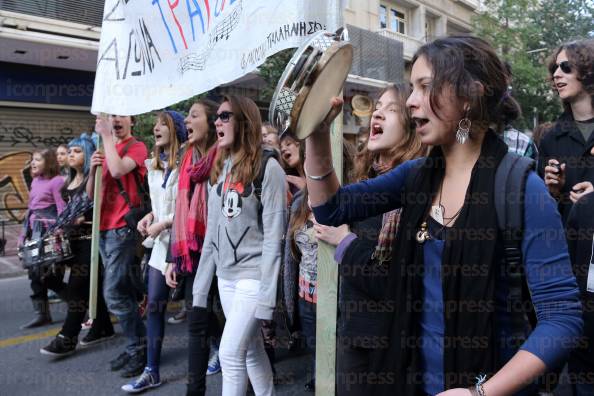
x=316 y=72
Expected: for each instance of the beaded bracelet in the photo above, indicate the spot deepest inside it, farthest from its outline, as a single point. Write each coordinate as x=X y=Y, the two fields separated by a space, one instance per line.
x=479 y=385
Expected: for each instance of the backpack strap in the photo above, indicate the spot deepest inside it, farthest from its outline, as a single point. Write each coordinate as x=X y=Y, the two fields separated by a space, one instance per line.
x=142 y=187
x=267 y=154
x=510 y=186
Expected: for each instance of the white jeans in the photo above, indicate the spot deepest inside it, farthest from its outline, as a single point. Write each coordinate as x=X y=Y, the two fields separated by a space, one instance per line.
x=242 y=351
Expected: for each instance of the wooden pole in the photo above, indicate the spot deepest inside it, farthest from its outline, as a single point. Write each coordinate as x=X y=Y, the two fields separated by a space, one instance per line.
x=326 y=313
x=94 y=275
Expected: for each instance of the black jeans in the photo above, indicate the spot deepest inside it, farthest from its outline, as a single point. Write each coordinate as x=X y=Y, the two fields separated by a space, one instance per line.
x=77 y=293
x=203 y=324
x=43 y=278
x=307 y=317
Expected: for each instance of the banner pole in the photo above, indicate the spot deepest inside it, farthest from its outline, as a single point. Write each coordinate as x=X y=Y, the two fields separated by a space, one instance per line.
x=94 y=270
x=326 y=309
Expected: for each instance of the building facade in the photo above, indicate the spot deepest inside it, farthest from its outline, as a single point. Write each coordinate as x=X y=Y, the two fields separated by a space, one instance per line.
x=412 y=22
x=48 y=53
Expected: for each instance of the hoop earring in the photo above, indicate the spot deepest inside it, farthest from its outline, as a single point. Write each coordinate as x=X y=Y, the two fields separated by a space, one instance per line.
x=463 y=132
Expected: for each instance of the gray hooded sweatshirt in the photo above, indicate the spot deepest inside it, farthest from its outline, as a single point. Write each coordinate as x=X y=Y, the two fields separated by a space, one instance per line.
x=244 y=236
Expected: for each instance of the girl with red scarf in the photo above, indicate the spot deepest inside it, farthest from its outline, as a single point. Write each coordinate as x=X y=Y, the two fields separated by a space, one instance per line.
x=189 y=229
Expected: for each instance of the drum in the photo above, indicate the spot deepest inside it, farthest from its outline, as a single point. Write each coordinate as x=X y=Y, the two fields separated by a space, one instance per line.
x=51 y=249
x=316 y=72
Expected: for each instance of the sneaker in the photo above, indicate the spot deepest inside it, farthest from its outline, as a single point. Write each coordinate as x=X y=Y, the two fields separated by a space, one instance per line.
x=178 y=317
x=93 y=338
x=147 y=380
x=53 y=297
x=135 y=365
x=60 y=346
x=214 y=364
x=86 y=325
x=119 y=362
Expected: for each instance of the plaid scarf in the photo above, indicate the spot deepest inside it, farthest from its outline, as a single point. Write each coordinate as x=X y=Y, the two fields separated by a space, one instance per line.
x=189 y=224
x=383 y=250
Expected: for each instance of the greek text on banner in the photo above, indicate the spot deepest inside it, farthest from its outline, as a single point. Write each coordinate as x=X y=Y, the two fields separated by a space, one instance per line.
x=154 y=53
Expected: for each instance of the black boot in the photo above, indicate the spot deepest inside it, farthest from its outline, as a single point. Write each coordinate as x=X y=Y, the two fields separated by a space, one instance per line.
x=42 y=315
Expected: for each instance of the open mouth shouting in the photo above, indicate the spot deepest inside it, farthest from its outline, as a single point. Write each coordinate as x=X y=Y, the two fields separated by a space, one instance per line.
x=286 y=156
x=376 y=132
x=419 y=123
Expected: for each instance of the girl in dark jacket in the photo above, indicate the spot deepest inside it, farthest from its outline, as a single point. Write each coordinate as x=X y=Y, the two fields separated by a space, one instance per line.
x=74 y=222
x=450 y=332
x=362 y=329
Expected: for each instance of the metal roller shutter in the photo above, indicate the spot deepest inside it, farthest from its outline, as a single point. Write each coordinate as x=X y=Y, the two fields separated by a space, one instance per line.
x=21 y=132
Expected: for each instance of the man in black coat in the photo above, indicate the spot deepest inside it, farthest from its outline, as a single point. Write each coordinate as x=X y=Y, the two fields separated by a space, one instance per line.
x=567 y=152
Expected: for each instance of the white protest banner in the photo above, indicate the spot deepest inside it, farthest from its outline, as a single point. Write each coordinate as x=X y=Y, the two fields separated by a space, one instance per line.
x=154 y=53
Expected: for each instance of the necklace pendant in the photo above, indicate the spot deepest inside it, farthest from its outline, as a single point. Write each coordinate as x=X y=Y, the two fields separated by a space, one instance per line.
x=423 y=234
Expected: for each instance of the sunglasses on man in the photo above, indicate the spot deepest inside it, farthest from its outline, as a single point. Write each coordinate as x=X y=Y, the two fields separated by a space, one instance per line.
x=565 y=67
x=224 y=116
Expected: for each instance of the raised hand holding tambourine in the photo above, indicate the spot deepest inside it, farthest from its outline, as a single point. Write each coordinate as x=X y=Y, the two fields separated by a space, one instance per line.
x=316 y=72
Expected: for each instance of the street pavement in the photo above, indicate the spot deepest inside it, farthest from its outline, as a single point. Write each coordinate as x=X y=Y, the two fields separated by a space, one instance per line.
x=24 y=371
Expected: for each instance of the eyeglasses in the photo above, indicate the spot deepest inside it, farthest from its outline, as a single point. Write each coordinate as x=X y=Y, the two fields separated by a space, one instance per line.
x=565 y=67
x=224 y=116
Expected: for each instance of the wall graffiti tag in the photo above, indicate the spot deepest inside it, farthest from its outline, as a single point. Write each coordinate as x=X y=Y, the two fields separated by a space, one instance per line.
x=22 y=135
x=14 y=169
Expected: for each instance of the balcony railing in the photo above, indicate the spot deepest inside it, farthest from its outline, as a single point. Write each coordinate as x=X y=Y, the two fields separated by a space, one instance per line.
x=86 y=12
x=474 y=4
x=410 y=44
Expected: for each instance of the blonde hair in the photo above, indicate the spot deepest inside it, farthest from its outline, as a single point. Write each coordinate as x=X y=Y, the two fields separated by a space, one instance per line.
x=174 y=144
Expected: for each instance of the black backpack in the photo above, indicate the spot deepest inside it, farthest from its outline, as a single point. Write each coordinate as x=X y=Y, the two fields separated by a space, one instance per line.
x=510 y=179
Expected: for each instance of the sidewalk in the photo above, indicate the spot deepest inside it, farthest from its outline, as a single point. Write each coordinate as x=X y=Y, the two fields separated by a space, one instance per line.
x=10 y=266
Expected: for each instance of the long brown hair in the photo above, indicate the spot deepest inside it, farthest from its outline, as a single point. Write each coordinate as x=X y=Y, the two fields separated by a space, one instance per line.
x=174 y=144
x=210 y=108
x=51 y=168
x=459 y=62
x=303 y=211
x=247 y=142
x=581 y=56
x=301 y=146
x=408 y=148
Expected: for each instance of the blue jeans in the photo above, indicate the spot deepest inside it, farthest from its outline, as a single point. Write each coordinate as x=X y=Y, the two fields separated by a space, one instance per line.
x=122 y=283
x=158 y=294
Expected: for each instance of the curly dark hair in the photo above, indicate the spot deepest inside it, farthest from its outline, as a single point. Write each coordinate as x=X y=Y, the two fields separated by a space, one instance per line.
x=460 y=62
x=581 y=55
